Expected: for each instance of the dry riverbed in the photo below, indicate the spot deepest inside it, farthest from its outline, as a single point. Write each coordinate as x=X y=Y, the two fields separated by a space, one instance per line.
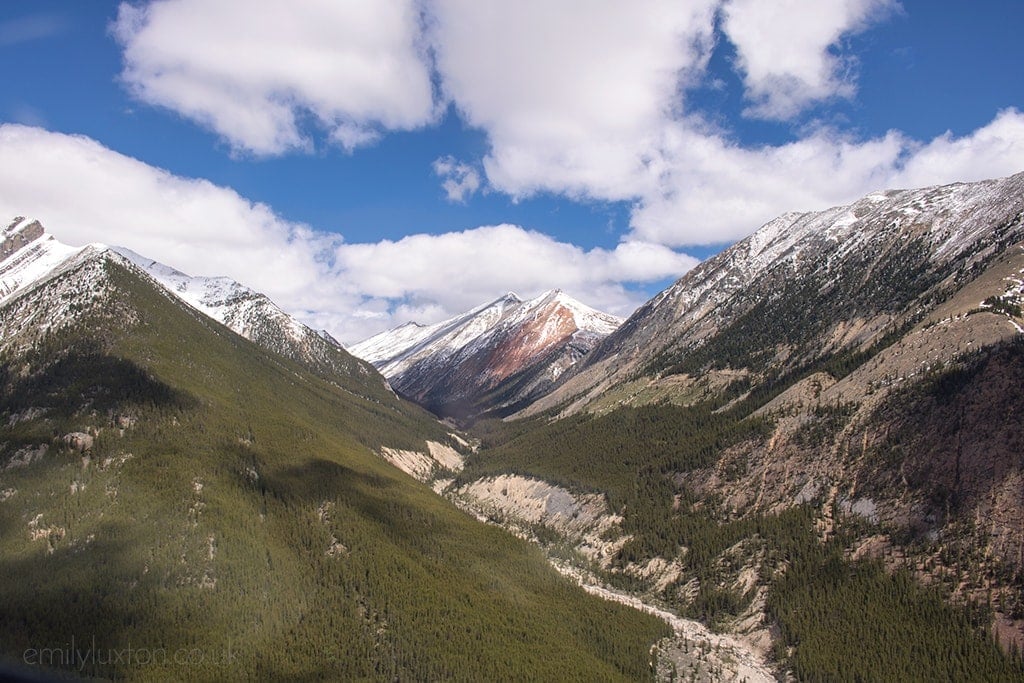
x=692 y=653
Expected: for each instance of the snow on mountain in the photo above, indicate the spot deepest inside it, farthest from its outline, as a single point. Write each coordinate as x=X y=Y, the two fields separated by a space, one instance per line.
x=941 y=223
x=459 y=360
x=223 y=299
x=807 y=284
x=31 y=260
x=949 y=219
x=394 y=351
x=29 y=256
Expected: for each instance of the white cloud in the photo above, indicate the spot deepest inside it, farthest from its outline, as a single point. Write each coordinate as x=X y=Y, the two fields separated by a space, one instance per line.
x=994 y=150
x=84 y=192
x=461 y=180
x=251 y=72
x=582 y=98
x=571 y=94
x=715 y=191
x=786 y=49
x=589 y=100
x=454 y=268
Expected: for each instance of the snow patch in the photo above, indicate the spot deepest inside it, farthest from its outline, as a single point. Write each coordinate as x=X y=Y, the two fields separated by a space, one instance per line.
x=44 y=258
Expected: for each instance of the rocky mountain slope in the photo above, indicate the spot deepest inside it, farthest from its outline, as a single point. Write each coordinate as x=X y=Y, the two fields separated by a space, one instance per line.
x=807 y=286
x=882 y=339
x=252 y=315
x=178 y=502
x=842 y=386
x=494 y=358
x=30 y=254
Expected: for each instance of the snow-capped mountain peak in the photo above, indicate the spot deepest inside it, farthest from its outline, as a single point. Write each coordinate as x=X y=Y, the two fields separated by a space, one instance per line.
x=478 y=350
x=30 y=256
x=395 y=350
x=221 y=298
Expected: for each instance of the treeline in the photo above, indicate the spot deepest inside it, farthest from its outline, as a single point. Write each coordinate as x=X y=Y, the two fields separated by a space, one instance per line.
x=629 y=454
x=802 y=306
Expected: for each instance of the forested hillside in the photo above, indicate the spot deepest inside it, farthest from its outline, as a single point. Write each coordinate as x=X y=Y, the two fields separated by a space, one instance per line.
x=812 y=439
x=169 y=487
x=838 y=618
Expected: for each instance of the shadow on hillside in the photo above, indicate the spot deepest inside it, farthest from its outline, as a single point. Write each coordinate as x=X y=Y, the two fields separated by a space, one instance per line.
x=374 y=497
x=956 y=436
x=85 y=378
x=89 y=608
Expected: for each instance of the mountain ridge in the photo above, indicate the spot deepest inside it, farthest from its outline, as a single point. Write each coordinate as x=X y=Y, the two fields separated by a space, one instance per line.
x=251 y=314
x=826 y=252
x=851 y=375
x=829 y=406
x=496 y=355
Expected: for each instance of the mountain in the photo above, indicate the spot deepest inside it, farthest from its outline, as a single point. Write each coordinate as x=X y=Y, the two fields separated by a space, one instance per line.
x=178 y=502
x=251 y=314
x=492 y=359
x=830 y=406
x=807 y=286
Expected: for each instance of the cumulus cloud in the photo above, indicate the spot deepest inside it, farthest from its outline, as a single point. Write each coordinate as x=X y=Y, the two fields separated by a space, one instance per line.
x=452 y=269
x=993 y=150
x=251 y=72
x=712 y=190
x=786 y=49
x=593 y=103
x=84 y=192
x=461 y=180
x=571 y=94
x=588 y=99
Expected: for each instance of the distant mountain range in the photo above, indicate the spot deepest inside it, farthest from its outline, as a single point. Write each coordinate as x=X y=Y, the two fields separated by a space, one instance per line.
x=494 y=359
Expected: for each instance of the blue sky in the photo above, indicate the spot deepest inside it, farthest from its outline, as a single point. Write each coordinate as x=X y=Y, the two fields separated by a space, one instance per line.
x=600 y=147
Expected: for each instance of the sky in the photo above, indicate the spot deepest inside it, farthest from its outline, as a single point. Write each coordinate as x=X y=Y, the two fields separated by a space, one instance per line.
x=370 y=162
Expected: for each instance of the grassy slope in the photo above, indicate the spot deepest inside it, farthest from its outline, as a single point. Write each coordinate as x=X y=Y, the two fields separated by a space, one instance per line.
x=207 y=550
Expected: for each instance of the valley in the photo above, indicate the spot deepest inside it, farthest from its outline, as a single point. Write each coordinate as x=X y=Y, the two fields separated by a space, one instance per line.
x=826 y=408
x=226 y=498
x=441 y=340
x=802 y=459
